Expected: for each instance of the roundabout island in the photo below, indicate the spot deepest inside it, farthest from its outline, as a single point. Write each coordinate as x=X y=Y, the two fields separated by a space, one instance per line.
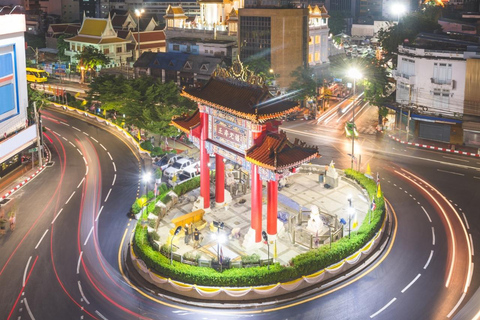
x=320 y=222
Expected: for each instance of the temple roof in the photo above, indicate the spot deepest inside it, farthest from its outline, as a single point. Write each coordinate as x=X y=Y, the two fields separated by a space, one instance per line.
x=185 y=123
x=244 y=100
x=277 y=153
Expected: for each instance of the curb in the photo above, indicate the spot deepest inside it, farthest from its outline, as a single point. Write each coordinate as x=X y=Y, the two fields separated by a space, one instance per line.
x=435 y=148
x=25 y=181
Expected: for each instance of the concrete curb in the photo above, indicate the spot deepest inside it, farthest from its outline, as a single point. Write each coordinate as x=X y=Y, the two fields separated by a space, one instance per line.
x=429 y=147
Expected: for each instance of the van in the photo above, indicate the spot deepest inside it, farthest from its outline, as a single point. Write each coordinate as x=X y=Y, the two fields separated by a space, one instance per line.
x=36 y=75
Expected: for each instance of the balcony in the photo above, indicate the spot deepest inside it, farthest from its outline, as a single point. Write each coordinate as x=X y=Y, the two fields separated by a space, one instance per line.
x=405 y=78
x=444 y=84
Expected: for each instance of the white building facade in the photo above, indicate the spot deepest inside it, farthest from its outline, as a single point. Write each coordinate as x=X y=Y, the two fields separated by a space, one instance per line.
x=431 y=84
x=318 y=32
x=16 y=134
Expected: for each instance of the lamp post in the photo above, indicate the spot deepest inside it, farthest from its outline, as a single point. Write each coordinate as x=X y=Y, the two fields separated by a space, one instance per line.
x=354 y=74
x=219 y=225
x=177 y=231
x=350 y=212
x=146 y=179
x=399 y=9
x=138 y=13
x=265 y=238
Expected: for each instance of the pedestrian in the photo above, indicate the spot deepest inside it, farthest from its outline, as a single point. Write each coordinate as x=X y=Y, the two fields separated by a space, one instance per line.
x=196 y=238
x=12 y=222
x=187 y=234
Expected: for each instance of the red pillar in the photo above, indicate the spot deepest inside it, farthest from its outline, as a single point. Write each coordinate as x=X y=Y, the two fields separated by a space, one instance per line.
x=219 y=179
x=204 y=159
x=258 y=232
x=272 y=209
x=256 y=213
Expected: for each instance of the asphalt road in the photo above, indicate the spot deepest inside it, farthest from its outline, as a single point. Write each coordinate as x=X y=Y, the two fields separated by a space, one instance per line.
x=62 y=261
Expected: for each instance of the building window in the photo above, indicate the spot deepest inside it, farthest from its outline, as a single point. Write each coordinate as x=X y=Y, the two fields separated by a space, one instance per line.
x=310 y=57
x=119 y=49
x=317 y=39
x=176 y=47
x=106 y=51
x=317 y=56
x=255 y=37
x=442 y=73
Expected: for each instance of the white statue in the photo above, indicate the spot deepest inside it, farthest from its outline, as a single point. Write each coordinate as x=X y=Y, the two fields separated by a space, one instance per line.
x=315 y=224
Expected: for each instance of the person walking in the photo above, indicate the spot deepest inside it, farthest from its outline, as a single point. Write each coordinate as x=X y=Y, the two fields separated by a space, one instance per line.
x=196 y=238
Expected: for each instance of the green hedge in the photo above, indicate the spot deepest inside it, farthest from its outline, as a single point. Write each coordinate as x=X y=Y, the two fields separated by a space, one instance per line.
x=303 y=264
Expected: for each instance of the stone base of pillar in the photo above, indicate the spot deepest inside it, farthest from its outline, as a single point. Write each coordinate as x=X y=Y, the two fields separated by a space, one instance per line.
x=249 y=241
x=198 y=204
x=227 y=198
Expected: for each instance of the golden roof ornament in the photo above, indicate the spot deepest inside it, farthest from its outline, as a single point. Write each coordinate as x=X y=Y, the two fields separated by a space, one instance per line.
x=239 y=73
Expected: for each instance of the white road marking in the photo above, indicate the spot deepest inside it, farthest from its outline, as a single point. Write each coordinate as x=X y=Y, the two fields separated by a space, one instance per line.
x=98 y=215
x=58 y=134
x=114 y=167
x=28 y=309
x=433 y=235
x=40 y=241
x=101 y=145
x=86 y=171
x=81 y=183
x=394 y=185
x=406 y=191
x=79 y=261
x=457 y=305
x=80 y=152
x=100 y=315
x=25 y=272
x=428 y=261
x=108 y=194
x=70 y=197
x=88 y=237
x=114 y=178
x=86 y=134
x=85 y=160
x=471 y=241
x=110 y=155
x=476 y=177
x=466 y=221
x=66 y=124
x=72 y=144
x=389 y=181
x=94 y=139
x=410 y=284
x=455 y=159
x=427 y=214
x=385 y=307
x=81 y=292
x=76 y=128
x=400 y=188
x=57 y=215
x=64 y=138
x=456 y=173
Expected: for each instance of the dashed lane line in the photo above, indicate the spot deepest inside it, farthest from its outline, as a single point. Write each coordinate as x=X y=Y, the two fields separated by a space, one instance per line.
x=428 y=261
x=385 y=307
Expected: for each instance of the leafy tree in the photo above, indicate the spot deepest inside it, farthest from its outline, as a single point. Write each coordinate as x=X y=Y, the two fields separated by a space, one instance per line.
x=260 y=66
x=62 y=45
x=90 y=58
x=305 y=84
x=34 y=96
x=336 y=22
x=408 y=28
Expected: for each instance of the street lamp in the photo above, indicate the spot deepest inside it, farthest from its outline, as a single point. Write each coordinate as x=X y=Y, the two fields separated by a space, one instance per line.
x=177 y=231
x=138 y=13
x=351 y=210
x=146 y=179
x=219 y=225
x=354 y=74
x=265 y=238
x=399 y=9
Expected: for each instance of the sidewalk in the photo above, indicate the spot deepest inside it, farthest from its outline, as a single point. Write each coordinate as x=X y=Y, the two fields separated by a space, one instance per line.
x=18 y=178
x=438 y=146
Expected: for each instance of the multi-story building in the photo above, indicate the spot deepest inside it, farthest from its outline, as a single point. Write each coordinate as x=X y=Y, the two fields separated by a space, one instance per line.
x=158 y=7
x=100 y=34
x=279 y=35
x=16 y=132
x=210 y=47
x=318 y=33
x=437 y=85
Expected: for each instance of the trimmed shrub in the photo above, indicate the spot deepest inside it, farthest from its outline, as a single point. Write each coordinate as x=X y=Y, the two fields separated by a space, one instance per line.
x=147 y=145
x=136 y=207
x=151 y=207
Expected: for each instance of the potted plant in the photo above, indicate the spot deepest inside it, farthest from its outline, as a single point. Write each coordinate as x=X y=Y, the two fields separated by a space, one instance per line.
x=158 y=176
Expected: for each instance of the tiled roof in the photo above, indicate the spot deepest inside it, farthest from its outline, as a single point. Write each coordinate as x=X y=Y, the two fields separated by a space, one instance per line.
x=169 y=60
x=200 y=64
x=277 y=153
x=112 y=40
x=59 y=28
x=72 y=29
x=148 y=36
x=93 y=27
x=123 y=33
x=185 y=123
x=241 y=99
x=145 y=59
x=118 y=21
x=95 y=40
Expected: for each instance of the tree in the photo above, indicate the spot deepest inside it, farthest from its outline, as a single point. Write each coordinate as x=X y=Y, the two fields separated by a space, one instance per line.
x=261 y=67
x=62 y=45
x=408 y=28
x=90 y=58
x=336 y=22
x=304 y=86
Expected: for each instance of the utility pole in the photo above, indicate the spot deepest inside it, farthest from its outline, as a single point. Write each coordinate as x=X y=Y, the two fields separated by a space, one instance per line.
x=39 y=125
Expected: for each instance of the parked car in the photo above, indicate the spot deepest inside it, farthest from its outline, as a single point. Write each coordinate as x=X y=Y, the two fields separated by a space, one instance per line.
x=167 y=160
x=184 y=175
x=179 y=165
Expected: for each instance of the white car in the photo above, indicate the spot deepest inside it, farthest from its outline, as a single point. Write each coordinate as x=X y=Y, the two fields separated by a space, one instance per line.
x=167 y=161
x=183 y=176
x=179 y=165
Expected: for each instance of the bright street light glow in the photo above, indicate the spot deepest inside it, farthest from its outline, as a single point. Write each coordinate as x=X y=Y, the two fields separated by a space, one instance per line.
x=138 y=13
x=398 y=8
x=354 y=73
x=146 y=177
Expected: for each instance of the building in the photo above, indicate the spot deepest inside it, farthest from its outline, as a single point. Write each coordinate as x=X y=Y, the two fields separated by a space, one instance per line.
x=94 y=8
x=437 y=83
x=146 y=41
x=186 y=70
x=100 y=34
x=458 y=26
x=156 y=7
x=226 y=49
x=318 y=33
x=55 y=31
x=276 y=34
x=17 y=133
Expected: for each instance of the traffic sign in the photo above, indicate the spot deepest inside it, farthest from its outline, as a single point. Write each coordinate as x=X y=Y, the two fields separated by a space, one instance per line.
x=33 y=149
